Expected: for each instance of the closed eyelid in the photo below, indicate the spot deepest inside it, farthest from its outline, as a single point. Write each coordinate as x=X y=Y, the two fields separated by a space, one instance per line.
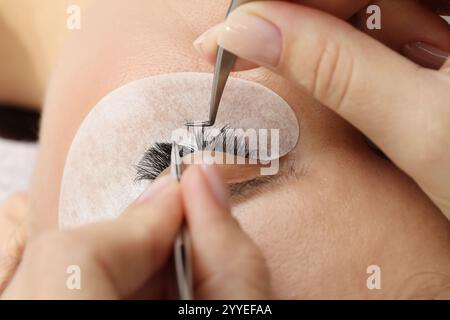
x=233 y=174
x=246 y=180
x=242 y=177
x=243 y=190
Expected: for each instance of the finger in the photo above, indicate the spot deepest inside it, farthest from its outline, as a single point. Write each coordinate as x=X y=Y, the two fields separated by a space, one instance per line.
x=227 y=264
x=400 y=107
x=206 y=46
x=428 y=45
x=133 y=248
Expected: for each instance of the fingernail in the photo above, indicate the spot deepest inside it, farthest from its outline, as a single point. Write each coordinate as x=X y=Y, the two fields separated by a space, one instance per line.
x=156 y=187
x=425 y=54
x=217 y=185
x=200 y=41
x=251 y=38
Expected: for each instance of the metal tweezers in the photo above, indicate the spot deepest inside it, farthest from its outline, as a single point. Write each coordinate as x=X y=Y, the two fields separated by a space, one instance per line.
x=224 y=63
x=182 y=249
x=182 y=246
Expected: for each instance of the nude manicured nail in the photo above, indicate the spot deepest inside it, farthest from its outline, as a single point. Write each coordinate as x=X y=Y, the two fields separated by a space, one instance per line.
x=156 y=187
x=198 y=43
x=251 y=38
x=425 y=54
x=217 y=185
x=206 y=42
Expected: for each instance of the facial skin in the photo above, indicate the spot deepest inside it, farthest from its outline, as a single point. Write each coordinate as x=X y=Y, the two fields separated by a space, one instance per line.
x=342 y=209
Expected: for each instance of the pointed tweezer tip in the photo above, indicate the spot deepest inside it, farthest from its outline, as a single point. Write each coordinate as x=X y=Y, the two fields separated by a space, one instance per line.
x=199 y=124
x=175 y=161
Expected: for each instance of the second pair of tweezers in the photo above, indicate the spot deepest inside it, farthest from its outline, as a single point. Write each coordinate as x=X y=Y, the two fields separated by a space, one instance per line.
x=182 y=246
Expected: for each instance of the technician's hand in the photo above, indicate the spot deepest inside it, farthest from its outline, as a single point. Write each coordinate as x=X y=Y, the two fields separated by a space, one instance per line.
x=403 y=108
x=427 y=45
x=129 y=257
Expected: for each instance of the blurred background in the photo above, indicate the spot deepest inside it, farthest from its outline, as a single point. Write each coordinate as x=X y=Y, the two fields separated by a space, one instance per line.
x=31 y=33
x=18 y=137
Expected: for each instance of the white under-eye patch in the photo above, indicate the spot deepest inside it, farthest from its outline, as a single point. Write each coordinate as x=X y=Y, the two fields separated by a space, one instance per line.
x=99 y=176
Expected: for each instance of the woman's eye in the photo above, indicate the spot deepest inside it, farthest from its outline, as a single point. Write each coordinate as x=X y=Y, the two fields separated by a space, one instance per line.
x=157 y=158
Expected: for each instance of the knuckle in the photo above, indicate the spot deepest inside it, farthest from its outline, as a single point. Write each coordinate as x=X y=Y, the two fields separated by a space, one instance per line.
x=333 y=75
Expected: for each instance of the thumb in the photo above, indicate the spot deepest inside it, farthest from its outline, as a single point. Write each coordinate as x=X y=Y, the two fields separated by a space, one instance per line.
x=227 y=264
x=401 y=107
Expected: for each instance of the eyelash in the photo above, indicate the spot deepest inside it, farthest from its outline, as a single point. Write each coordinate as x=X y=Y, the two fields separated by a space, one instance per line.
x=157 y=158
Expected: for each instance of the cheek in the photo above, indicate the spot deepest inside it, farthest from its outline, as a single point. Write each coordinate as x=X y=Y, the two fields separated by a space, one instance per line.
x=320 y=232
x=274 y=221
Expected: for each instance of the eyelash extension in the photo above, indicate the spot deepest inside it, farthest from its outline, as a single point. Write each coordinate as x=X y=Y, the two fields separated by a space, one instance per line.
x=157 y=158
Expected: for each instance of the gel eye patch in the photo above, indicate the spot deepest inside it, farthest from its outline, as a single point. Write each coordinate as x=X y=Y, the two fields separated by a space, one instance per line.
x=99 y=176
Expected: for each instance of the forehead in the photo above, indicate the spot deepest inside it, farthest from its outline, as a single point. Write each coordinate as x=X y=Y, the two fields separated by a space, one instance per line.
x=98 y=180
